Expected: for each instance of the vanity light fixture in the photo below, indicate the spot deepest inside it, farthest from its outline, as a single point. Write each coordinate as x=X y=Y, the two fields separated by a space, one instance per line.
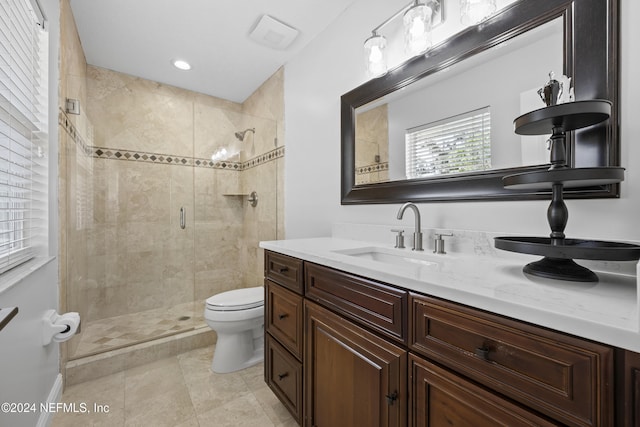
x=181 y=64
x=418 y=19
x=475 y=11
x=417 y=28
x=375 y=55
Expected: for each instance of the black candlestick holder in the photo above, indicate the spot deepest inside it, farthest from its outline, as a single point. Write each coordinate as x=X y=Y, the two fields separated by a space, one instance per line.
x=557 y=250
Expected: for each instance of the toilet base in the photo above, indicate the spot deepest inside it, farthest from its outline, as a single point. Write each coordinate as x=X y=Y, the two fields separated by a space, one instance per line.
x=237 y=351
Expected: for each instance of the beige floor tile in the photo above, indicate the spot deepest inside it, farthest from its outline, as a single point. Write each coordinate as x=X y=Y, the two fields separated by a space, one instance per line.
x=254 y=376
x=167 y=409
x=153 y=379
x=270 y=404
x=156 y=395
x=289 y=423
x=106 y=392
x=244 y=411
x=179 y=391
x=208 y=389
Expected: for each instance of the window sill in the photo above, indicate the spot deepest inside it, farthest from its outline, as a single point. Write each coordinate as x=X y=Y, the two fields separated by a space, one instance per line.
x=16 y=275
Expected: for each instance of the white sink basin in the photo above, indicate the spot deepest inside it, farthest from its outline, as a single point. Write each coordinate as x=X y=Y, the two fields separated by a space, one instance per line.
x=398 y=257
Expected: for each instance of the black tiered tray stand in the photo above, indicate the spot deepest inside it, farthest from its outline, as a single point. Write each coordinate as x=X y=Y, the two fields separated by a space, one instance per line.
x=558 y=251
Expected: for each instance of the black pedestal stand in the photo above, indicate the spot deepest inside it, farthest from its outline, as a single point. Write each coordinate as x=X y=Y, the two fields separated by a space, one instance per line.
x=558 y=251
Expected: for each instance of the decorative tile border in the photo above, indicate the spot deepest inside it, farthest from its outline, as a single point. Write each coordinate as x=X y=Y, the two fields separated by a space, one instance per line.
x=71 y=130
x=376 y=167
x=264 y=158
x=161 y=158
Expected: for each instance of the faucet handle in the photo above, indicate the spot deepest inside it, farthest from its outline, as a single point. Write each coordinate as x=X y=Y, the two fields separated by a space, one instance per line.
x=399 y=238
x=440 y=235
x=439 y=243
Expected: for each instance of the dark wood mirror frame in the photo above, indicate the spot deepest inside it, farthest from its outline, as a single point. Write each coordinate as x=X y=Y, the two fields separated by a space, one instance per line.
x=590 y=58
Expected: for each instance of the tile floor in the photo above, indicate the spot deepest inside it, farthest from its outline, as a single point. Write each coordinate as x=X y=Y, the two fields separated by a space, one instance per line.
x=179 y=391
x=108 y=334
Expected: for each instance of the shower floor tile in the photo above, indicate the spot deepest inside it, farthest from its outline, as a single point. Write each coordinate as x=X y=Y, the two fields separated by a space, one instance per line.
x=176 y=391
x=121 y=331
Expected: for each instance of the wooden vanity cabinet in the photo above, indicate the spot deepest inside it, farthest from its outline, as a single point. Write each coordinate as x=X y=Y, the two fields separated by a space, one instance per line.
x=352 y=377
x=369 y=303
x=563 y=377
x=284 y=327
x=628 y=388
x=370 y=354
x=284 y=270
x=438 y=397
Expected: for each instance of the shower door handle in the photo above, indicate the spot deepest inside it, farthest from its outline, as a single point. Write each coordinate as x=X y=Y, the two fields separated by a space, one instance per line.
x=183 y=218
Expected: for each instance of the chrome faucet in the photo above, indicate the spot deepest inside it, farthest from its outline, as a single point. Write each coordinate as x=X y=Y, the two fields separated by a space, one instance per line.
x=417 y=235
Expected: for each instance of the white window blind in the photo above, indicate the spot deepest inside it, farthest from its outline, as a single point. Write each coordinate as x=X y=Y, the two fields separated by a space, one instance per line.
x=454 y=145
x=23 y=132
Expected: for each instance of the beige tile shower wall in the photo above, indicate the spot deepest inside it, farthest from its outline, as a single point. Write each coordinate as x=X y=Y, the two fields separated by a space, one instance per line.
x=267 y=179
x=139 y=257
x=150 y=261
x=124 y=248
x=218 y=230
x=260 y=222
x=74 y=174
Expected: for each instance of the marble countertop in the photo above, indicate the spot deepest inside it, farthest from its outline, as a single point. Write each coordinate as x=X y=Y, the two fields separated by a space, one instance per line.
x=606 y=311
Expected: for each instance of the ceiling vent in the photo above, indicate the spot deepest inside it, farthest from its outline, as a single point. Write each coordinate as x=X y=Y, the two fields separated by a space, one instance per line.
x=273 y=33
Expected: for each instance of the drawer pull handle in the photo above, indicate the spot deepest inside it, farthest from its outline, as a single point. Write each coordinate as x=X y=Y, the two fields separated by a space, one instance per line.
x=482 y=353
x=392 y=398
x=283 y=316
x=283 y=269
x=283 y=376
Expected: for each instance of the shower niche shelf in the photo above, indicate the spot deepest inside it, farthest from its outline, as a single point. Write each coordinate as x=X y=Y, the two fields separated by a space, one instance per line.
x=557 y=250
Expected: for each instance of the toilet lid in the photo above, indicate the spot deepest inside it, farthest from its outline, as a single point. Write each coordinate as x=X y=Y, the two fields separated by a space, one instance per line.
x=237 y=299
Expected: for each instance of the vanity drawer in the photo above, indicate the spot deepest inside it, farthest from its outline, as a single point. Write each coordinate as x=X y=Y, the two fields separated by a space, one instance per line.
x=284 y=317
x=564 y=377
x=369 y=303
x=284 y=270
x=284 y=376
x=441 y=398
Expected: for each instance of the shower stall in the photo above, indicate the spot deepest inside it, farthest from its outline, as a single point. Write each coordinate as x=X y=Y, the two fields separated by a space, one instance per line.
x=155 y=209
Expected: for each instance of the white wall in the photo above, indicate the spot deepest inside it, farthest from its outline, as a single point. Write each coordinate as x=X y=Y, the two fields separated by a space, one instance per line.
x=29 y=372
x=333 y=64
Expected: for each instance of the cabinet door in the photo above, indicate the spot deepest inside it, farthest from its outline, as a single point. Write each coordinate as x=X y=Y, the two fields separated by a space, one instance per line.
x=438 y=397
x=628 y=383
x=283 y=374
x=352 y=377
x=284 y=317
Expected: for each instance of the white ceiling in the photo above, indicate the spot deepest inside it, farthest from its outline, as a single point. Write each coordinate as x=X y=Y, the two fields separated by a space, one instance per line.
x=142 y=37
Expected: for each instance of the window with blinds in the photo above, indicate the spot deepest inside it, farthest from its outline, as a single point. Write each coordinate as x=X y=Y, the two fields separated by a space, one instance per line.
x=454 y=145
x=23 y=132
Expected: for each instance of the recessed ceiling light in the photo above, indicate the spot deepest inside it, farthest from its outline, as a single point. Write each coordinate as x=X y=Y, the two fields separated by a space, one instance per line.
x=182 y=65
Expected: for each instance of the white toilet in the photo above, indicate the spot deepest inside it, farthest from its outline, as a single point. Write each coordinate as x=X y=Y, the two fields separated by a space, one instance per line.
x=237 y=316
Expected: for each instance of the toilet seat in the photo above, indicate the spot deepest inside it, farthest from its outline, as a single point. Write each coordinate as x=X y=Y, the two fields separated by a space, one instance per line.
x=237 y=299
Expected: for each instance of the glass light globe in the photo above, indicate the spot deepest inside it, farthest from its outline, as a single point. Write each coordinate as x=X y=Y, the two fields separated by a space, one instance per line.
x=417 y=29
x=375 y=55
x=475 y=11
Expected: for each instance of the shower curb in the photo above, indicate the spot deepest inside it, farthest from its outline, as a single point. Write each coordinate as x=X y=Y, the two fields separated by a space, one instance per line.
x=111 y=362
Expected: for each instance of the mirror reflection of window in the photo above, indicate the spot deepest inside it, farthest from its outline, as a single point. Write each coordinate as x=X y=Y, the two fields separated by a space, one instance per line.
x=457 y=144
x=504 y=77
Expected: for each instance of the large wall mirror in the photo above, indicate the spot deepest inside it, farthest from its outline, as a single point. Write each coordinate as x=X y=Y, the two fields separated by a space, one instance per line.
x=484 y=76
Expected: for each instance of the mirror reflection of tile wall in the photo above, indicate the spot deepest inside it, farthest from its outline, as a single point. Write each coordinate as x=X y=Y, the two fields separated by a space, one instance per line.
x=372 y=142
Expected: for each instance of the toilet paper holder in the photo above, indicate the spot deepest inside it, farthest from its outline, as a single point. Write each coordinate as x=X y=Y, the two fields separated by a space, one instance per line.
x=56 y=325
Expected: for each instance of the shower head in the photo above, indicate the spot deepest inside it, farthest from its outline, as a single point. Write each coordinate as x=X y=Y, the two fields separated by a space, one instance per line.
x=240 y=135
